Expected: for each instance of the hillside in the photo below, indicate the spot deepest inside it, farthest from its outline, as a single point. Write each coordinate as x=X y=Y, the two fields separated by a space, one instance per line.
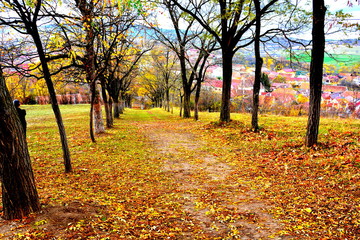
x=157 y=176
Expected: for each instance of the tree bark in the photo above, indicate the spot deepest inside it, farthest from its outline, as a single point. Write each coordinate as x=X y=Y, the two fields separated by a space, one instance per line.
x=117 y=108
x=98 y=119
x=109 y=118
x=167 y=96
x=197 y=98
x=87 y=11
x=181 y=104
x=316 y=72
x=186 y=103
x=19 y=194
x=226 y=91
x=54 y=103
x=91 y=122
x=258 y=66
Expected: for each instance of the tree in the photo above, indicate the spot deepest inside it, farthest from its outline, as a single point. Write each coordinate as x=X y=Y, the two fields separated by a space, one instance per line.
x=121 y=72
x=166 y=65
x=116 y=50
x=228 y=24
x=26 y=22
x=206 y=46
x=186 y=37
x=19 y=194
x=316 y=71
x=94 y=35
x=87 y=10
x=158 y=73
x=152 y=88
x=258 y=66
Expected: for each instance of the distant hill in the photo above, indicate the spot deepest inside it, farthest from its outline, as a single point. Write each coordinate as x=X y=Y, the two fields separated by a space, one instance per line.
x=350 y=42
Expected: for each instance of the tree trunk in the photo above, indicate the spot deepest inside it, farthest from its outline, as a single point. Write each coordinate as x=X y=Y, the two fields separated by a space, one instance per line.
x=121 y=106
x=167 y=96
x=91 y=126
x=181 y=104
x=87 y=11
x=197 y=98
x=186 y=103
x=19 y=194
x=54 y=103
x=226 y=91
x=316 y=72
x=110 y=102
x=109 y=118
x=258 y=65
x=98 y=119
x=117 y=108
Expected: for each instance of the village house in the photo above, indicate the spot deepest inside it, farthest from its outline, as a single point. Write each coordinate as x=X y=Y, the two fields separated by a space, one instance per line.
x=295 y=89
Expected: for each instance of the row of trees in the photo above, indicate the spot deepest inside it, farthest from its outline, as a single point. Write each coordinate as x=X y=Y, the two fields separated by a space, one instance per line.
x=102 y=42
x=92 y=42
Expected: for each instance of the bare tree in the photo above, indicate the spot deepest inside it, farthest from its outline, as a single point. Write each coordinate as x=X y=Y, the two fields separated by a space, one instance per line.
x=186 y=36
x=228 y=22
x=206 y=46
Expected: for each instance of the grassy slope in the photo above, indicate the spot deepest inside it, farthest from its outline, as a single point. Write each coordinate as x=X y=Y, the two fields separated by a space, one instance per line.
x=315 y=192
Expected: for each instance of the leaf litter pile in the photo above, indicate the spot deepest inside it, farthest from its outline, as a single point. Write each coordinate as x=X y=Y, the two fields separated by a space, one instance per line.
x=157 y=176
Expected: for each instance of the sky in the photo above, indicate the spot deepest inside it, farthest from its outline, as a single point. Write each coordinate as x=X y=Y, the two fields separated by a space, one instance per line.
x=336 y=5
x=333 y=6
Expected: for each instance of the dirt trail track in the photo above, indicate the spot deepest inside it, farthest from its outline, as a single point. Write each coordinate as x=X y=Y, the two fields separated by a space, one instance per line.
x=224 y=207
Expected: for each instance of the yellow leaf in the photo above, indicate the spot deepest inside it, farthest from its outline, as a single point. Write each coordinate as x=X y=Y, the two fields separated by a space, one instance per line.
x=308 y=210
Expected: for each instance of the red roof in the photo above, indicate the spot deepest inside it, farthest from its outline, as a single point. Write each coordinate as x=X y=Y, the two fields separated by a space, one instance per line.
x=330 y=88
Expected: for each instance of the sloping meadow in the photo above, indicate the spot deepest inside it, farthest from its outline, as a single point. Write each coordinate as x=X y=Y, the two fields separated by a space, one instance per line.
x=315 y=192
x=118 y=190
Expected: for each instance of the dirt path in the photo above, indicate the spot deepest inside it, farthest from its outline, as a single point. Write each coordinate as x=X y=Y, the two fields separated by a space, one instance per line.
x=224 y=207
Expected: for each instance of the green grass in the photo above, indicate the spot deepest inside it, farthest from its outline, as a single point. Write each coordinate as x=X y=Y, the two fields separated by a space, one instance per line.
x=335 y=59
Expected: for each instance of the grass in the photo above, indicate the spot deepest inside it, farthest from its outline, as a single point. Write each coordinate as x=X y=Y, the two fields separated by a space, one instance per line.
x=335 y=59
x=315 y=191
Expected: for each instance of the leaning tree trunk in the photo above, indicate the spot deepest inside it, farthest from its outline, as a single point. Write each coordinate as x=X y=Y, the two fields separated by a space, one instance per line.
x=19 y=194
x=54 y=103
x=316 y=72
x=258 y=65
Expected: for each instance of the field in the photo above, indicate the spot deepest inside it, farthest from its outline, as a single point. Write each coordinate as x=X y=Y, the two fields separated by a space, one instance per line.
x=157 y=176
x=336 y=59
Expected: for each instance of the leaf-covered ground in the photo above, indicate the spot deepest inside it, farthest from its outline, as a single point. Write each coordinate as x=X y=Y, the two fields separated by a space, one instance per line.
x=157 y=176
